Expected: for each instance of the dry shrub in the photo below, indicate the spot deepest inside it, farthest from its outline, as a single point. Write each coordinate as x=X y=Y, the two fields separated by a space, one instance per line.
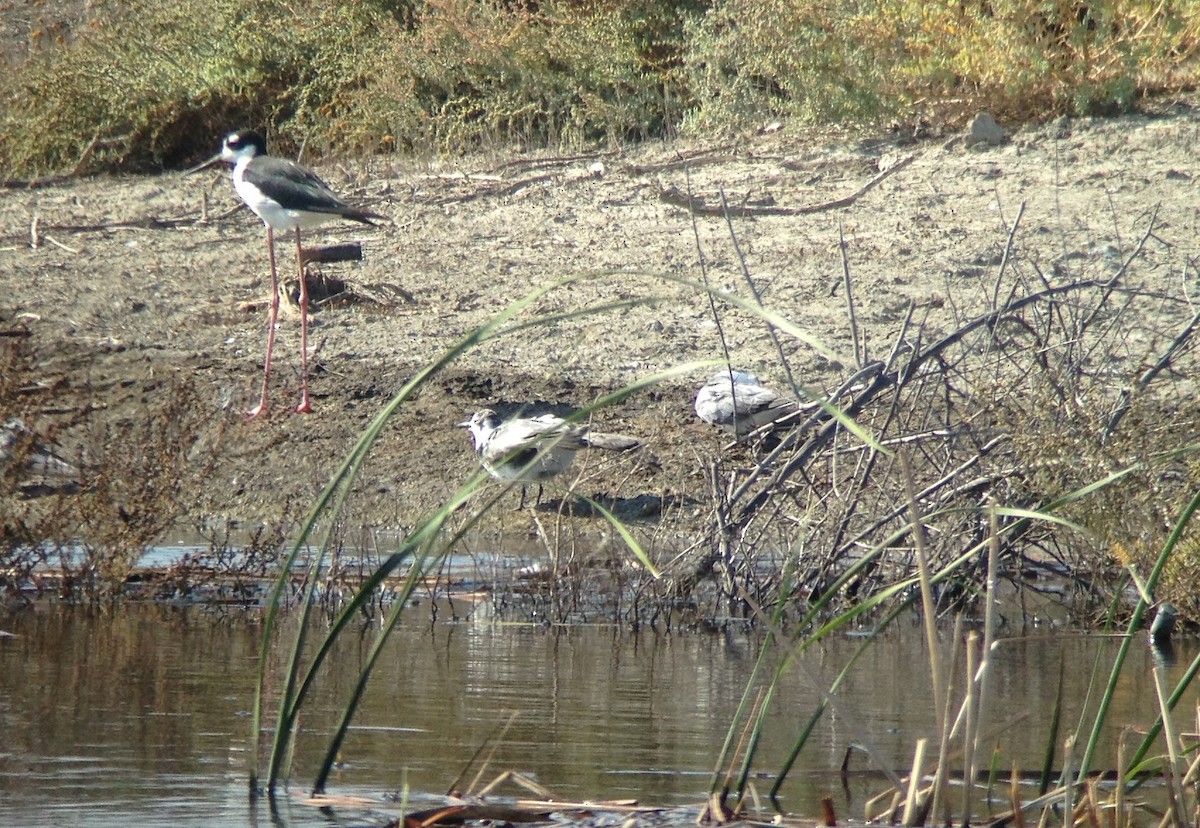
x=564 y=74
x=236 y=567
x=867 y=61
x=1051 y=386
x=33 y=530
x=146 y=473
x=1058 y=446
x=135 y=479
x=148 y=84
x=1180 y=577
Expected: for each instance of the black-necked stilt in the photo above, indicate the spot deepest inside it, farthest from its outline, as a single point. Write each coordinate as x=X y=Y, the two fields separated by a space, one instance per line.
x=739 y=403
x=534 y=449
x=286 y=196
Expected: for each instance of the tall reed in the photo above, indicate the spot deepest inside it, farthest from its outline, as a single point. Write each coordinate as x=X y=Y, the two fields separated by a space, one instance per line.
x=423 y=549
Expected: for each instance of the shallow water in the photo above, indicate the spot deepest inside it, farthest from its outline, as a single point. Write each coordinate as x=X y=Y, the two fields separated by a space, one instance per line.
x=142 y=713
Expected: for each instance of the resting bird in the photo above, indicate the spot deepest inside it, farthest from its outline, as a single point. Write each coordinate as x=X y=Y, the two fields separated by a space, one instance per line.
x=286 y=196
x=736 y=401
x=534 y=449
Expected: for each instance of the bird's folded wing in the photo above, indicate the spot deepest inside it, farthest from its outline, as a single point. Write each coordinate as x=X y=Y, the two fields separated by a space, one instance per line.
x=288 y=182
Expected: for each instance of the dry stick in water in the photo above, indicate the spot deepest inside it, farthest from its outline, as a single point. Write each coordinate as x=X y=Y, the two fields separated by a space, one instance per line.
x=982 y=676
x=912 y=813
x=1089 y=804
x=1014 y=796
x=939 y=787
x=927 y=606
x=1171 y=774
x=1068 y=774
x=969 y=708
x=870 y=812
x=1119 y=790
x=949 y=727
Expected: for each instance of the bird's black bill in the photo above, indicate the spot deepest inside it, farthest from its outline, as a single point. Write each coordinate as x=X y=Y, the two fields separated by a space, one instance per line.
x=204 y=165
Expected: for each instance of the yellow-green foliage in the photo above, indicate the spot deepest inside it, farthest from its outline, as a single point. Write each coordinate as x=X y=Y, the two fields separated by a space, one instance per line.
x=1180 y=577
x=569 y=73
x=872 y=59
x=155 y=82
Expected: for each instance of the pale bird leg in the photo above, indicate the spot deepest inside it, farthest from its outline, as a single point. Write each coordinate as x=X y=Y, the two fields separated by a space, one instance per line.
x=274 y=323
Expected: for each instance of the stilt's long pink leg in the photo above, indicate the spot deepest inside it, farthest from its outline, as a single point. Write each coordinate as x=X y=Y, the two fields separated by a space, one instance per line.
x=262 y=403
x=305 y=406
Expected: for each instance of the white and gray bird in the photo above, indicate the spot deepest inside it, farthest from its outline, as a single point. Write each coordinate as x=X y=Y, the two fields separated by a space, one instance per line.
x=738 y=402
x=534 y=449
x=287 y=197
x=36 y=467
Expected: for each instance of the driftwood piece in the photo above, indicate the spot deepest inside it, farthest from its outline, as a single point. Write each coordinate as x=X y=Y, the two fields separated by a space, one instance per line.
x=344 y=252
x=673 y=195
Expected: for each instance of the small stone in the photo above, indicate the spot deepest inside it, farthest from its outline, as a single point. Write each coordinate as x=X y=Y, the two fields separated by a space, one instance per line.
x=1060 y=128
x=985 y=130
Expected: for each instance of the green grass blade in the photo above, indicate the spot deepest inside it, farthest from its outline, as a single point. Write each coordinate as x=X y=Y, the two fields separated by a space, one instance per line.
x=627 y=536
x=331 y=499
x=1052 y=734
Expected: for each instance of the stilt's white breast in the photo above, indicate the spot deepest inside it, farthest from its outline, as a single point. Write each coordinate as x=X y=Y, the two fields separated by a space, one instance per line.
x=273 y=214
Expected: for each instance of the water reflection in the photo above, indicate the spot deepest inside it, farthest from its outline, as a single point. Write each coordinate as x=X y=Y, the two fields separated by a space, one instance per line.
x=142 y=712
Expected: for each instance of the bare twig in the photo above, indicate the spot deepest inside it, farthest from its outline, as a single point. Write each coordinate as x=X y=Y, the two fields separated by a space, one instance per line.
x=860 y=347
x=703 y=262
x=1149 y=374
x=1008 y=251
x=672 y=195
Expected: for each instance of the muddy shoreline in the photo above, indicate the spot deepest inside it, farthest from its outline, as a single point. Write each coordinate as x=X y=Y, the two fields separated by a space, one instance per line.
x=138 y=286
